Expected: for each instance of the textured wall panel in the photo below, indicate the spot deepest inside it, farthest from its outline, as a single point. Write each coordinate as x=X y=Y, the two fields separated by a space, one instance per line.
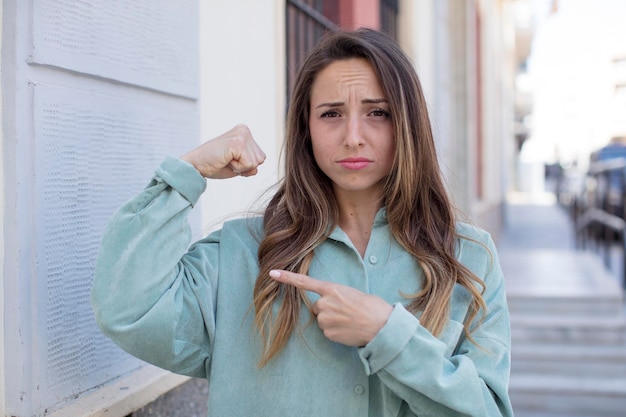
x=150 y=43
x=92 y=152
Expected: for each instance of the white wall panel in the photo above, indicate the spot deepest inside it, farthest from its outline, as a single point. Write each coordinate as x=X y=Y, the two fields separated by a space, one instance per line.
x=150 y=43
x=2 y=217
x=95 y=94
x=92 y=152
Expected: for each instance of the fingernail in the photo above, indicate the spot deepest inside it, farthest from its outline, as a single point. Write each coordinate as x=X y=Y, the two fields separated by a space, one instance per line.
x=274 y=273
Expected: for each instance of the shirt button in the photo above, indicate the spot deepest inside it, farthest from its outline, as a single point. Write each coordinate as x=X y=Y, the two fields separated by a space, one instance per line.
x=373 y=259
x=358 y=389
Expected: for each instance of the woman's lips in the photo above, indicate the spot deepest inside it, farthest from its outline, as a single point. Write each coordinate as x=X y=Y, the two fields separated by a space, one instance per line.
x=354 y=163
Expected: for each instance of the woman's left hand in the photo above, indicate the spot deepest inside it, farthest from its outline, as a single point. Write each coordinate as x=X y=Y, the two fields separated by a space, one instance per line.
x=345 y=315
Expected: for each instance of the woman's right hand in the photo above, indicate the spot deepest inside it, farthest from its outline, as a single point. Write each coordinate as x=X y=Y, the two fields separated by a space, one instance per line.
x=228 y=155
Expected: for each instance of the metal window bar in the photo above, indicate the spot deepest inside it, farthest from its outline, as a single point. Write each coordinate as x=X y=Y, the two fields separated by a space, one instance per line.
x=307 y=21
x=389 y=17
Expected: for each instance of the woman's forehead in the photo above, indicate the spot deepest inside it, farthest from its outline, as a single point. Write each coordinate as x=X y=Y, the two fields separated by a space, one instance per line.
x=346 y=75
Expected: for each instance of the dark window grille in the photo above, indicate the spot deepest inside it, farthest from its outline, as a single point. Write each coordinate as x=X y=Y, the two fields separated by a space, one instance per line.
x=307 y=21
x=389 y=17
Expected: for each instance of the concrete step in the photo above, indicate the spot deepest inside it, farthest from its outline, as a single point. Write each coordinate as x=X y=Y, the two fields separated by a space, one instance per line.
x=570 y=396
x=569 y=360
x=611 y=304
x=550 y=330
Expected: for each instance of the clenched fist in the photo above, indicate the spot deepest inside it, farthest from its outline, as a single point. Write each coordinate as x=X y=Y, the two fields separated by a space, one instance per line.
x=228 y=155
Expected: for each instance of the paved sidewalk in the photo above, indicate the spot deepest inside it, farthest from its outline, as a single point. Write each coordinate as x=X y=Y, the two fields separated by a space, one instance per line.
x=187 y=400
x=538 y=254
x=536 y=222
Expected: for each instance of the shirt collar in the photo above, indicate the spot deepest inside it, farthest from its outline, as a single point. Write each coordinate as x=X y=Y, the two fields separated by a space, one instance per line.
x=379 y=220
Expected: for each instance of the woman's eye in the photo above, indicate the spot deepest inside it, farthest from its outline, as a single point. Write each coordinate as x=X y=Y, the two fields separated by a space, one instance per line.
x=380 y=113
x=330 y=113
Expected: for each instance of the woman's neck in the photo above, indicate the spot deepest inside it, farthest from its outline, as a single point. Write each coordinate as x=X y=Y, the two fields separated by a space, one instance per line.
x=356 y=218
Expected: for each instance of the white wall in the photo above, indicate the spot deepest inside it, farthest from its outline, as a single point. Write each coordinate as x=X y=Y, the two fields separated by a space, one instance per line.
x=498 y=68
x=243 y=81
x=416 y=36
x=2 y=336
x=440 y=36
x=425 y=36
x=90 y=108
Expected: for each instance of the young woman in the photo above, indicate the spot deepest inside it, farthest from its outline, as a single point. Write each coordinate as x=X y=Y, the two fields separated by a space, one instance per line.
x=356 y=293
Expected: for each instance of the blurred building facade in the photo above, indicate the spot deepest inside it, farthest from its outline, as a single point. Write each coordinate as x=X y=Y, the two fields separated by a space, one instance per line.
x=575 y=79
x=96 y=93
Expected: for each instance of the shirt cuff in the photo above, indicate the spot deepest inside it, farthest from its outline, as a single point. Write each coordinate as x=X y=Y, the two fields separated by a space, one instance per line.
x=390 y=340
x=183 y=177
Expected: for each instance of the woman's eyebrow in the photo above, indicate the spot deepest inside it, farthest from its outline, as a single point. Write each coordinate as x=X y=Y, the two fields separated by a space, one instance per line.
x=374 y=100
x=332 y=104
x=364 y=101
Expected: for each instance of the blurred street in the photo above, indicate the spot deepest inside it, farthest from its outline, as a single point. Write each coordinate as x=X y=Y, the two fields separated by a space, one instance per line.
x=567 y=317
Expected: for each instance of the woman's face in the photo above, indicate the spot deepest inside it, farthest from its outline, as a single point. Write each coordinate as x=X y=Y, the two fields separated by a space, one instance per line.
x=351 y=128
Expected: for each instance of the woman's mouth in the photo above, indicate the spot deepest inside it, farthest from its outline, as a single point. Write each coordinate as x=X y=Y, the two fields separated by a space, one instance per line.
x=354 y=163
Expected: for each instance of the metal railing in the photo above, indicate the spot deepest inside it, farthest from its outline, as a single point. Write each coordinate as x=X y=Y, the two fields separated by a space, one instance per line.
x=599 y=213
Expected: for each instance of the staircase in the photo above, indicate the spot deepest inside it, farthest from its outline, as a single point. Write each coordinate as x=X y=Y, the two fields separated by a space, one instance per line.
x=568 y=327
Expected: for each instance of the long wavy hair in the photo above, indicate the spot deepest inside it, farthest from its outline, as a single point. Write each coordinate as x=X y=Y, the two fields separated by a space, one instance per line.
x=303 y=211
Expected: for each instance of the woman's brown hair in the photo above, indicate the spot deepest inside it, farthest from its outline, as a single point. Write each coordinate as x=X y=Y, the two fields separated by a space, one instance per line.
x=303 y=212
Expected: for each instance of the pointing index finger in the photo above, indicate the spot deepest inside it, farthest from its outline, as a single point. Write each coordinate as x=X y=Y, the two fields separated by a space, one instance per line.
x=299 y=281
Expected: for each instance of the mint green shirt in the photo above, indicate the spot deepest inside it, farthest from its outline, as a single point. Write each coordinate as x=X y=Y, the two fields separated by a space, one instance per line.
x=189 y=310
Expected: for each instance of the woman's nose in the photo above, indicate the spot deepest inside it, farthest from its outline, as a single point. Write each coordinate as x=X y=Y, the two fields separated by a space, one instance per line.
x=354 y=132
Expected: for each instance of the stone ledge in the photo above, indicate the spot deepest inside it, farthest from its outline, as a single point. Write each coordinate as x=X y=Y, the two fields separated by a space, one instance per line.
x=123 y=396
